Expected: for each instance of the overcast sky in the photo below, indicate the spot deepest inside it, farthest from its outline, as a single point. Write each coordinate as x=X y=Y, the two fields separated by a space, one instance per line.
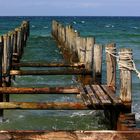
x=70 y=7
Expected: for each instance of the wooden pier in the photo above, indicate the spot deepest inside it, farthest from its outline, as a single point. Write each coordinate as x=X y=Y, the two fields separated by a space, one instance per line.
x=83 y=58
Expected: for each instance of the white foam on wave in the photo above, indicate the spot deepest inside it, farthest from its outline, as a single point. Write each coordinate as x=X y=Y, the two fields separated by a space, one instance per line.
x=74 y=22
x=134 y=27
x=56 y=51
x=137 y=116
x=33 y=26
x=21 y=116
x=109 y=26
x=45 y=27
x=82 y=113
x=83 y=21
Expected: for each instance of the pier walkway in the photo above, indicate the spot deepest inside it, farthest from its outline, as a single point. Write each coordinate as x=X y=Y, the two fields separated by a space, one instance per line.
x=83 y=58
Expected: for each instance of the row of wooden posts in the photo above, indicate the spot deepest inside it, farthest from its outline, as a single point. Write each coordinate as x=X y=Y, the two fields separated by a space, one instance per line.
x=79 y=49
x=11 y=49
x=12 y=45
x=90 y=54
x=76 y=48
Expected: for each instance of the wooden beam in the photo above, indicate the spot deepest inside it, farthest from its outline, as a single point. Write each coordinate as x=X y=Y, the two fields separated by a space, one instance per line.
x=44 y=64
x=50 y=72
x=44 y=106
x=70 y=135
x=53 y=90
x=58 y=106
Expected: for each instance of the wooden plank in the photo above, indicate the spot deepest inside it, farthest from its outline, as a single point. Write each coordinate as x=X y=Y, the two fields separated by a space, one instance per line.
x=110 y=93
x=70 y=135
x=44 y=105
x=49 y=90
x=84 y=96
x=103 y=94
x=99 y=95
x=92 y=96
x=51 y=72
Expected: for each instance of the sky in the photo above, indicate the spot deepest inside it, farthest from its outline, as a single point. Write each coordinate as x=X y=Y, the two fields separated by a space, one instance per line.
x=69 y=7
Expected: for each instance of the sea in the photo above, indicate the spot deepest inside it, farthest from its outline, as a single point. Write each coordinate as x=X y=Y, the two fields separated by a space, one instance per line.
x=41 y=47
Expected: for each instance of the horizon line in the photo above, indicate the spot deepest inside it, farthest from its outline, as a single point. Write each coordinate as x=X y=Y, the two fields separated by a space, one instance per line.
x=67 y=16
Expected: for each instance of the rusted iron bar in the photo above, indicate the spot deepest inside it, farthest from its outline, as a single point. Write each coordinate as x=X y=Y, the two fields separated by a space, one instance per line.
x=44 y=64
x=44 y=105
x=53 y=90
x=57 y=106
x=52 y=72
x=70 y=135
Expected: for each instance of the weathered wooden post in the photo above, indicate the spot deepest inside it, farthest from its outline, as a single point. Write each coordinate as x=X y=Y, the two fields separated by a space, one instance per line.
x=59 y=32
x=15 y=47
x=24 y=35
x=82 y=49
x=74 y=54
x=70 y=39
x=97 y=64
x=89 y=48
x=1 y=95
x=78 y=44
x=63 y=34
x=66 y=37
x=11 y=46
x=53 y=27
x=111 y=65
x=22 y=40
x=55 y=33
x=5 y=67
x=18 y=30
x=7 y=61
x=85 y=54
x=126 y=67
x=111 y=114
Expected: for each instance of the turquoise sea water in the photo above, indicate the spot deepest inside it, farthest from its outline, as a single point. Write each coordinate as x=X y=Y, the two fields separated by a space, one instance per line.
x=124 y=31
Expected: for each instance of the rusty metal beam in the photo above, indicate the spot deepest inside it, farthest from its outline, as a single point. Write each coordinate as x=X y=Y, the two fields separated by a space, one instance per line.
x=44 y=106
x=57 y=106
x=44 y=64
x=70 y=135
x=49 y=90
x=51 y=72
